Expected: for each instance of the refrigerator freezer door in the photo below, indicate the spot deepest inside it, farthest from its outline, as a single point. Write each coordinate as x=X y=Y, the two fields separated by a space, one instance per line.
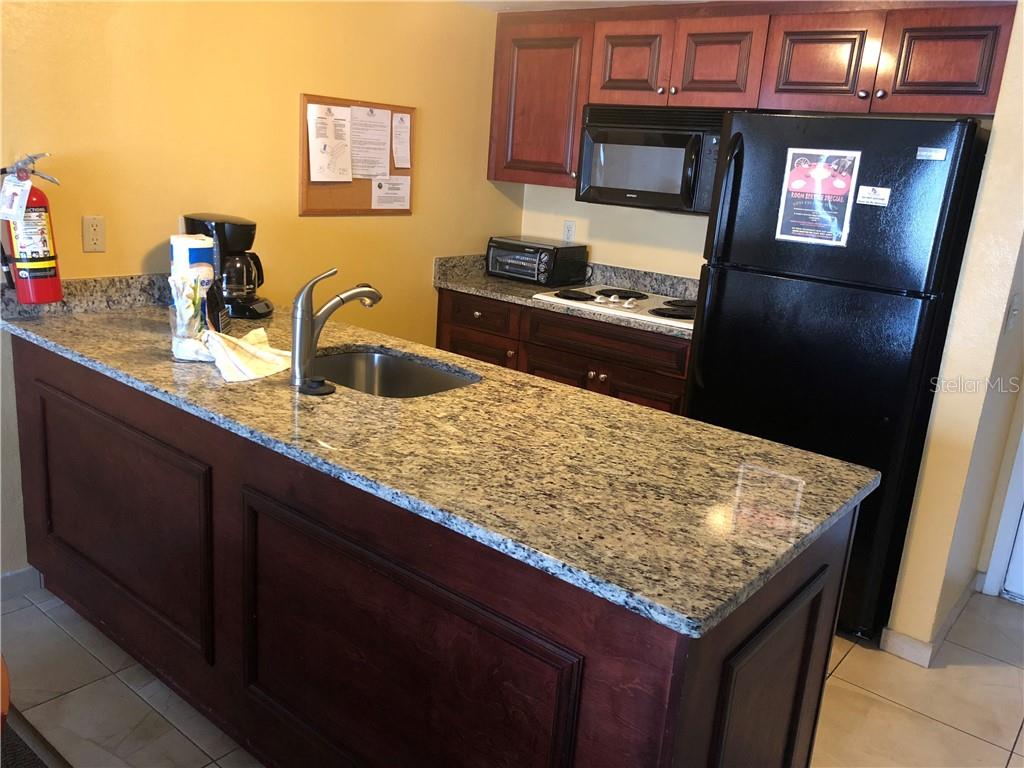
x=912 y=164
x=828 y=368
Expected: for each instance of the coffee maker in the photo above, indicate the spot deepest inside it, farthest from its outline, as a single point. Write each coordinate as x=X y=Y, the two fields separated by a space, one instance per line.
x=239 y=272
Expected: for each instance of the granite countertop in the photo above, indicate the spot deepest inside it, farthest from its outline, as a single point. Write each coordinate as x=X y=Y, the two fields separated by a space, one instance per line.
x=466 y=274
x=673 y=519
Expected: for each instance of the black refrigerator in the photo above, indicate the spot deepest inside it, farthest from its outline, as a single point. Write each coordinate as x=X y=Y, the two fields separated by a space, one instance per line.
x=833 y=252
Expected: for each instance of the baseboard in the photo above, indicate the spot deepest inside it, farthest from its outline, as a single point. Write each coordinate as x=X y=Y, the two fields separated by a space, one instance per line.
x=919 y=652
x=16 y=583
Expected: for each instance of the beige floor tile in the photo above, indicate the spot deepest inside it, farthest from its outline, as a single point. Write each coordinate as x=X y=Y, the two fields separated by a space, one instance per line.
x=858 y=729
x=840 y=647
x=1018 y=748
x=14 y=604
x=94 y=641
x=43 y=598
x=239 y=759
x=1016 y=761
x=44 y=661
x=179 y=712
x=105 y=725
x=964 y=689
x=993 y=626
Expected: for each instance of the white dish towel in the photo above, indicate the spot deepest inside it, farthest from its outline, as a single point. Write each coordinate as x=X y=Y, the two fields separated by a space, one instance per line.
x=246 y=358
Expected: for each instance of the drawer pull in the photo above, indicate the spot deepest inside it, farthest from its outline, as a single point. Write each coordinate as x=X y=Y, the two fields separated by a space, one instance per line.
x=510 y=353
x=591 y=374
x=603 y=377
x=477 y=314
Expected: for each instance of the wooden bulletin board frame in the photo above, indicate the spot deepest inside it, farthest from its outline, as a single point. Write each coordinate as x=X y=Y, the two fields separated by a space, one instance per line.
x=345 y=198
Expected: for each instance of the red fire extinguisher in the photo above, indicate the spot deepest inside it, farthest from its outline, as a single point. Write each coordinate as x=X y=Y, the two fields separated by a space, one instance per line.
x=33 y=257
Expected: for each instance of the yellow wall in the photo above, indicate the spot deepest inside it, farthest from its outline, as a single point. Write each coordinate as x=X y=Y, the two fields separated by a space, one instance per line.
x=941 y=554
x=626 y=237
x=156 y=109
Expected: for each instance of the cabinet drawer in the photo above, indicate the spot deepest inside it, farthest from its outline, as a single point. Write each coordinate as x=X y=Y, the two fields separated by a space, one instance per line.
x=479 y=345
x=614 y=343
x=480 y=314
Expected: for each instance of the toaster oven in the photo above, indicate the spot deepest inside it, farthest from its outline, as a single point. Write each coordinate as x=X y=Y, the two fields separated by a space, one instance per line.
x=537 y=260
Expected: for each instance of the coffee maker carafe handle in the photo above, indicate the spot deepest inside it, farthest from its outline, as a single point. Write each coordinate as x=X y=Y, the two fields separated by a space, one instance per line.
x=259 y=268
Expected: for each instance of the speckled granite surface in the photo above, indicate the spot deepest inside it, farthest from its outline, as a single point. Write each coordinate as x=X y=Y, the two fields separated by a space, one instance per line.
x=675 y=520
x=90 y=294
x=467 y=275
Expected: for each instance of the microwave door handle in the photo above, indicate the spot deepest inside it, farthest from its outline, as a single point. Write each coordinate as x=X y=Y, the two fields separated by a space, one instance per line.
x=727 y=196
x=690 y=173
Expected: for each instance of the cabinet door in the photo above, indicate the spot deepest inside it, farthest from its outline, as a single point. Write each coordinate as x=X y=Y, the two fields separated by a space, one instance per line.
x=480 y=346
x=632 y=60
x=563 y=367
x=643 y=387
x=718 y=62
x=943 y=60
x=541 y=81
x=824 y=62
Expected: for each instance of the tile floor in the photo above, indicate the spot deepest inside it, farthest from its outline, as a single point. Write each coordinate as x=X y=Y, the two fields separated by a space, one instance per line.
x=93 y=703
x=100 y=709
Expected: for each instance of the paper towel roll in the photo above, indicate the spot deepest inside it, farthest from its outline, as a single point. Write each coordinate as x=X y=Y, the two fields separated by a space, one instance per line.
x=187 y=250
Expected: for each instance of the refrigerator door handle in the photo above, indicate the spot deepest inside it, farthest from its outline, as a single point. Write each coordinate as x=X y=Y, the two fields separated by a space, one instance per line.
x=699 y=322
x=727 y=195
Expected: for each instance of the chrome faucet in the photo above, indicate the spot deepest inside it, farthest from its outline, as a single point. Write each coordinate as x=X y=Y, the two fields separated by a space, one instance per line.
x=307 y=325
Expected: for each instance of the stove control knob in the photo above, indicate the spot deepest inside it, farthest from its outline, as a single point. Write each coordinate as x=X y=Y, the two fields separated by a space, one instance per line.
x=629 y=303
x=600 y=300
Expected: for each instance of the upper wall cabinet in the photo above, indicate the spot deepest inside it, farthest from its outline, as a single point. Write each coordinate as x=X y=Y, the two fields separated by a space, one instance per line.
x=632 y=62
x=926 y=61
x=717 y=62
x=822 y=62
x=943 y=60
x=541 y=81
x=689 y=62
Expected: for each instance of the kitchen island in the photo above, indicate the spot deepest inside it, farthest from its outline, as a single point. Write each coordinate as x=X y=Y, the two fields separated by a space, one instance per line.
x=512 y=573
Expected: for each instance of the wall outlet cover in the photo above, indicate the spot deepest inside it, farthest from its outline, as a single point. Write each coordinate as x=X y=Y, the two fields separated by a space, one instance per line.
x=569 y=230
x=94 y=234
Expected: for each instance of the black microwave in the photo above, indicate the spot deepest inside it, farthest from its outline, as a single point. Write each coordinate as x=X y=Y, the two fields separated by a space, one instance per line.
x=649 y=157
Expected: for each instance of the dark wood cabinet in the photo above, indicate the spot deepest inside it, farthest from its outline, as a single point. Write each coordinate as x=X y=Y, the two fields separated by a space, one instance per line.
x=541 y=82
x=632 y=61
x=320 y=625
x=716 y=62
x=943 y=60
x=689 y=62
x=640 y=366
x=665 y=393
x=488 y=347
x=822 y=62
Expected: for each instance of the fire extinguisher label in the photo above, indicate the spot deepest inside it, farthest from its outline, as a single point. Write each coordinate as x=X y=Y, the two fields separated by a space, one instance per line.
x=32 y=241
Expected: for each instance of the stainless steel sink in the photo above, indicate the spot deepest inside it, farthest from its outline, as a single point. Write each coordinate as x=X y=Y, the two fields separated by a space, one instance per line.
x=387 y=375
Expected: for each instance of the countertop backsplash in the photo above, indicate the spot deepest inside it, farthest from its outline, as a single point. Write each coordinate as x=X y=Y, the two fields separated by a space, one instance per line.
x=93 y=294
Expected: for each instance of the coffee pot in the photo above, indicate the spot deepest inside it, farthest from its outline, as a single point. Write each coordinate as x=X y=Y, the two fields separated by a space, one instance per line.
x=239 y=271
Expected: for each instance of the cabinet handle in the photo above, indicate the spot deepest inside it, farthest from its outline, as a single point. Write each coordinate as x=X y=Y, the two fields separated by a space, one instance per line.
x=591 y=374
x=510 y=353
x=673 y=90
x=603 y=377
x=661 y=90
x=881 y=93
x=477 y=315
x=572 y=174
x=862 y=94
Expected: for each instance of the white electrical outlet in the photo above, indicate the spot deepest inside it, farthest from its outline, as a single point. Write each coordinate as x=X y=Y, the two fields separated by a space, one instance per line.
x=569 y=231
x=94 y=234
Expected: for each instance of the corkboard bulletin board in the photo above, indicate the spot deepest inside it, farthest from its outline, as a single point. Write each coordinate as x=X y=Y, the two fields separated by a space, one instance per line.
x=345 y=198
